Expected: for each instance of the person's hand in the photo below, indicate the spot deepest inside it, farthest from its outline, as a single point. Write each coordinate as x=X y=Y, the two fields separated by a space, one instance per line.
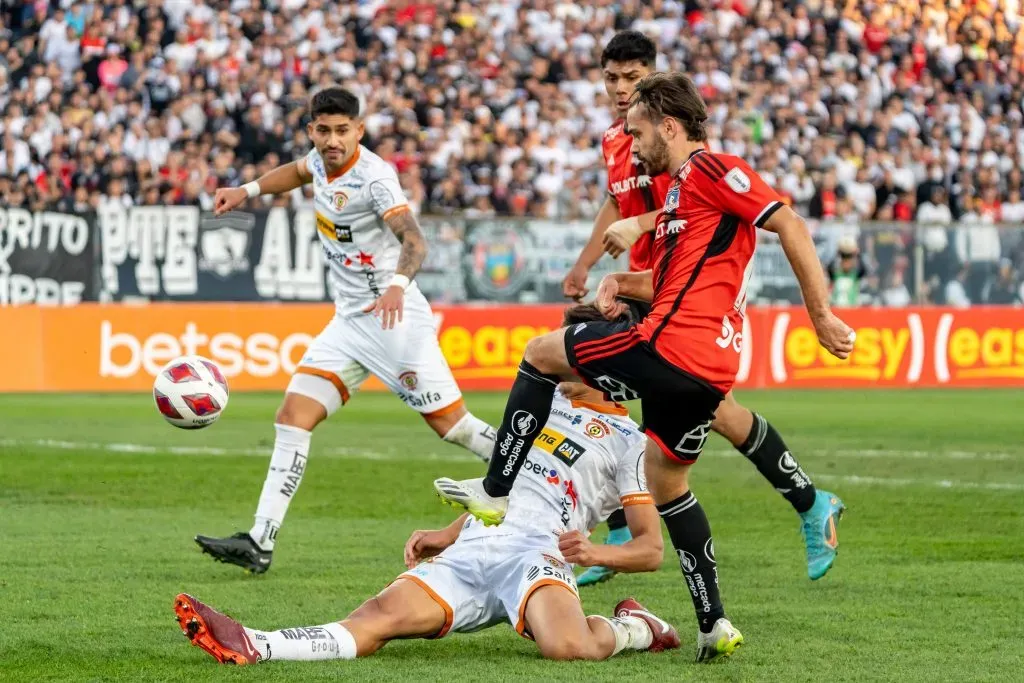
x=574 y=286
x=610 y=307
x=389 y=306
x=621 y=235
x=227 y=198
x=836 y=336
x=576 y=548
x=424 y=544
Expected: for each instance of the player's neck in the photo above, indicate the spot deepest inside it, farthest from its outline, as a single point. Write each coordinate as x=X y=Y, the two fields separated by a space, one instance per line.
x=343 y=168
x=679 y=156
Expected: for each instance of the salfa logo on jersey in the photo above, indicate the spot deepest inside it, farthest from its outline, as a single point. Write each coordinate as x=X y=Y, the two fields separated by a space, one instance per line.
x=339 y=201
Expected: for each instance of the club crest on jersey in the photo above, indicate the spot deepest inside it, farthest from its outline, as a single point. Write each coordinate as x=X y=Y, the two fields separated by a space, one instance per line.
x=672 y=198
x=409 y=380
x=597 y=429
x=554 y=561
x=339 y=201
x=738 y=181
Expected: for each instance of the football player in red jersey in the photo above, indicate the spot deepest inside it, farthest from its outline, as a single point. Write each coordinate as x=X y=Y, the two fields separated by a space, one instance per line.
x=626 y=222
x=681 y=360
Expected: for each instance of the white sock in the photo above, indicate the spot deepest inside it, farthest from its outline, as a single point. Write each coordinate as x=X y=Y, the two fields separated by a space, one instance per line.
x=305 y=644
x=630 y=632
x=474 y=435
x=287 y=465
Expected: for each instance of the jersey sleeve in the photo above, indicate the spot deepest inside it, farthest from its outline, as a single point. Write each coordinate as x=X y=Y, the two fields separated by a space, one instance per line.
x=386 y=194
x=315 y=165
x=630 y=479
x=734 y=188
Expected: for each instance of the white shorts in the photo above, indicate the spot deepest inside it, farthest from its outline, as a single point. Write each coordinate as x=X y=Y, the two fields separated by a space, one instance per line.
x=485 y=580
x=407 y=358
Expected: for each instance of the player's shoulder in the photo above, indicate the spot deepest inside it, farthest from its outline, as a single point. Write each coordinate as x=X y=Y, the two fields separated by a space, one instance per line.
x=373 y=167
x=717 y=167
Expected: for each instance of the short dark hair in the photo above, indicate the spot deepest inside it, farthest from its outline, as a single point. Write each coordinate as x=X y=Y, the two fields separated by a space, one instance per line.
x=587 y=313
x=673 y=95
x=334 y=100
x=630 y=46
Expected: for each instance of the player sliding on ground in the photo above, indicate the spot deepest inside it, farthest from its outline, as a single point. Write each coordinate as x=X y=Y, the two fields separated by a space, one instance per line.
x=587 y=461
x=626 y=222
x=382 y=323
x=682 y=359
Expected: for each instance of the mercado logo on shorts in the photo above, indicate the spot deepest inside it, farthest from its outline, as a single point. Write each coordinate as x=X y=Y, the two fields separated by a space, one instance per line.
x=496 y=259
x=559 y=445
x=409 y=380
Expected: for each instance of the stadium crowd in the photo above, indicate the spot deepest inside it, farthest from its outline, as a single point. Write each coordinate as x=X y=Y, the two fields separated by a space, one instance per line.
x=909 y=113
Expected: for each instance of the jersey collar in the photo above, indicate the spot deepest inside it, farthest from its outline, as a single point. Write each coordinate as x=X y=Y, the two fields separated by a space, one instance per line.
x=605 y=408
x=688 y=159
x=331 y=177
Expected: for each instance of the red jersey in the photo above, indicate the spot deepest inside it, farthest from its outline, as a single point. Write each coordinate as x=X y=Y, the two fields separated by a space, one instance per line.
x=703 y=248
x=633 y=190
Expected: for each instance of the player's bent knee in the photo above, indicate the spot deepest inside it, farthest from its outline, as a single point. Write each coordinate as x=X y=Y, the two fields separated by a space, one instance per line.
x=732 y=420
x=547 y=353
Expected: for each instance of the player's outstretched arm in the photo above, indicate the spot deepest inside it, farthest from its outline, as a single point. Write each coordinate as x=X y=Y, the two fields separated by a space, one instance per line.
x=835 y=335
x=574 y=286
x=623 y=234
x=642 y=554
x=424 y=544
x=282 y=179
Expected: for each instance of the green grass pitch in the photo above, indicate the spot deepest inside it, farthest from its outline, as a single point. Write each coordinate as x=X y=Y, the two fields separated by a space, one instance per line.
x=99 y=500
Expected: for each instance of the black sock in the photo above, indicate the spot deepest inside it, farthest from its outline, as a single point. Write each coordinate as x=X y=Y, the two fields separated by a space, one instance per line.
x=526 y=413
x=691 y=536
x=765 y=448
x=617 y=520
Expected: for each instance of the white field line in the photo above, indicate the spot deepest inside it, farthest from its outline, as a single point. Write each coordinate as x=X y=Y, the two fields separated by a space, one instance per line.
x=394 y=455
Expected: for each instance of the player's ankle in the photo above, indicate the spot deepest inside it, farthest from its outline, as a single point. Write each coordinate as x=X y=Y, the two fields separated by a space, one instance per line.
x=495 y=489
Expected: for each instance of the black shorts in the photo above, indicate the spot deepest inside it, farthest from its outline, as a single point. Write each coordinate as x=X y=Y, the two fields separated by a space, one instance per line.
x=678 y=408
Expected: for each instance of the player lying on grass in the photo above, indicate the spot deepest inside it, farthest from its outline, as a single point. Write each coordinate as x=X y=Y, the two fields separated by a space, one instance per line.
x=626 y=223
x=382 y=323
x=467 y=576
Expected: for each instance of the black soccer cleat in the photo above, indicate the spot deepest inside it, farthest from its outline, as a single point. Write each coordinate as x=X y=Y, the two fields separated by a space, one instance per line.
x=238 y=549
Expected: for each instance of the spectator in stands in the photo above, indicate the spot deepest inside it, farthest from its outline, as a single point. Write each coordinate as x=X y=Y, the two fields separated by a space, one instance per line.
x=847 y=273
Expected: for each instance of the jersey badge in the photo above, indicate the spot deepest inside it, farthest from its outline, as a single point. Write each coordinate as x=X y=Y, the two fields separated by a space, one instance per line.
x=597 y=429
x=672 y=198
x=738 y=181
x=409 y=380
x=340 y=200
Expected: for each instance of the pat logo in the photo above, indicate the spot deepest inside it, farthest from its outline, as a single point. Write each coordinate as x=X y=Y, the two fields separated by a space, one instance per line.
x=597 y=429
x=409 y=380
x=738 y=181
x=339 y=201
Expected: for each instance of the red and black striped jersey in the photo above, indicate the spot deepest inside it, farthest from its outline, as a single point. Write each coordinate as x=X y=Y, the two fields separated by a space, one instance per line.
x=703 y=248
x=635 y=192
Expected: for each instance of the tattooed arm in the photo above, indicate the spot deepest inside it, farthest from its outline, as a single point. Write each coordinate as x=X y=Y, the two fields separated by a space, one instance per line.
x=414 y=245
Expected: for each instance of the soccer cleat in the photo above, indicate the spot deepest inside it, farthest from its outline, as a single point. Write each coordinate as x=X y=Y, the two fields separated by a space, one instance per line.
x=469 y=495
x=663 y=635
x=238 y=549
x=219 y=635
x=721 y=642
x=596 y=575
x=819 y=531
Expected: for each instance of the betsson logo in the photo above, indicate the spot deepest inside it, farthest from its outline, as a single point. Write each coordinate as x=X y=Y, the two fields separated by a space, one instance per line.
x=261 y=354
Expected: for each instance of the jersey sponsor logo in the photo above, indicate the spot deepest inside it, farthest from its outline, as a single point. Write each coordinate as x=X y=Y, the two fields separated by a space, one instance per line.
x=563 y=575
x=613 y=131
x=672 y=197
x=709 y=550
x=738 y=181
x=687 y=562
x=318 y=167
x=579 y=328
x=523 y=423
x=339 y=200
x=631 y=183
x=409 y=380
x=597 y=429
x=422 y=399
x=559 y=445
x=730 y=336
x=671 y=227
x=327 y=228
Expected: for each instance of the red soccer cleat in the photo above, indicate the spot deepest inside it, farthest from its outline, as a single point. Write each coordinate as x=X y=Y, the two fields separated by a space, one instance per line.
x=219 y=635
x=664 y=634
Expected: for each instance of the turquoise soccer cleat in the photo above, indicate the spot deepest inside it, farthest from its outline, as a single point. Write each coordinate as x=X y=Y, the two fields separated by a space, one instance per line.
x=819 y=531
x=595 y=575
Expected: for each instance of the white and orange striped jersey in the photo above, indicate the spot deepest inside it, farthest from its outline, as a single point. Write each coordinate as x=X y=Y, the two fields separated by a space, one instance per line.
x=351 y=207
x=587 y=462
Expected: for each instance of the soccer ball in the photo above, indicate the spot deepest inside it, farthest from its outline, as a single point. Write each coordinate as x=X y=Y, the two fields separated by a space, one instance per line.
x=191 y=392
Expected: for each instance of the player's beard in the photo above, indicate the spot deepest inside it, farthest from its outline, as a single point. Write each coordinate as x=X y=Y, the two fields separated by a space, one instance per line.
x=657 y=158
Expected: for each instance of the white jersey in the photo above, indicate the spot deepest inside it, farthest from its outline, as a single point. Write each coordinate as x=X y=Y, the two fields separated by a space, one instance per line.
x=584 y=465
x=359 y=248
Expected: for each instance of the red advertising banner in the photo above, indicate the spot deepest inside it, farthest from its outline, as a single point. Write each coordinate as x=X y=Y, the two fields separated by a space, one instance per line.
x=96 y=347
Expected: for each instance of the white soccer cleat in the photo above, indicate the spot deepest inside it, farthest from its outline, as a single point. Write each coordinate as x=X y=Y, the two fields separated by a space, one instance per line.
x=722 y=641
x=469 y=495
